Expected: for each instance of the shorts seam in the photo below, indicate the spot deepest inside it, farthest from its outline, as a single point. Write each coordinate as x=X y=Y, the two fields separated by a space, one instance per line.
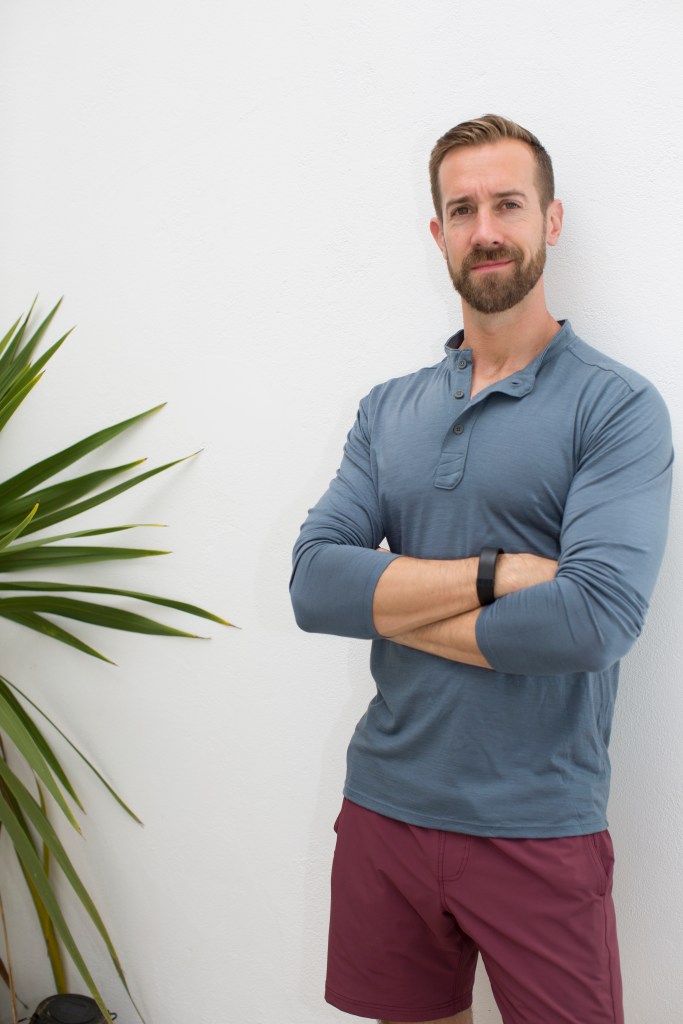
x=439 y=876
x=603 y=874
x=609 y=958
x=463 y=862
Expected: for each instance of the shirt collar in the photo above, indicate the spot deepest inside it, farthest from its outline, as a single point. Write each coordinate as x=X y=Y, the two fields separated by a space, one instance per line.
x=521 y=382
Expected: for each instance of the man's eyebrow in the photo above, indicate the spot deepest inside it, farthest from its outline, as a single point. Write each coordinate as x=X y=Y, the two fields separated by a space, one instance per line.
x=506 y=194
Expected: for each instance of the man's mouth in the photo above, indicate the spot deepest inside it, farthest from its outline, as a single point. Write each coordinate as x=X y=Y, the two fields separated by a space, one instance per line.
x=492 y=266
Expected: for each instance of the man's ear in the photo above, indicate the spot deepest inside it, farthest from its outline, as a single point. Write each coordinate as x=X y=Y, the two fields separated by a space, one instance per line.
x=436 y=228
x=554 y=222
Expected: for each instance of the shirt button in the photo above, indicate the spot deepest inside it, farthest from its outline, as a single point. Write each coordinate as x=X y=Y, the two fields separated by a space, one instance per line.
x=462 y=363
x=458 y=429
x=459 y=394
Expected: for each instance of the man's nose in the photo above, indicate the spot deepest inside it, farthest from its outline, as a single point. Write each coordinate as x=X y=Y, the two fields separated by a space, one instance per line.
x=486 y=232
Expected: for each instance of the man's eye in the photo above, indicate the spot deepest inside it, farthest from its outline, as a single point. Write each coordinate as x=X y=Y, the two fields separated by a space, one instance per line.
x=510 y=204
x=460 y=211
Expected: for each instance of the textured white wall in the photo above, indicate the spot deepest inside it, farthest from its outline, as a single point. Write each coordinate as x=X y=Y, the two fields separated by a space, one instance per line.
x=234 y=200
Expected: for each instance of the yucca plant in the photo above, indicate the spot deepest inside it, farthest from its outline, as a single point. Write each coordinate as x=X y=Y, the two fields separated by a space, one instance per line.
x=31 y=505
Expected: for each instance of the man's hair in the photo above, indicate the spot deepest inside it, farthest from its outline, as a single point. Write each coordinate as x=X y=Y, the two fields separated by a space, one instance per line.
x=482 y=130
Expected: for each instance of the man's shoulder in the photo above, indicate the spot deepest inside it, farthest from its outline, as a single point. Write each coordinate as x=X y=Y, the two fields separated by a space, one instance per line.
x=610 y=392
x=594 y=361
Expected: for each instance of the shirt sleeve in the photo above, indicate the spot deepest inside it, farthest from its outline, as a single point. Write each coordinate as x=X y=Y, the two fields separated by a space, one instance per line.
x=335 y=564
x=611 y=546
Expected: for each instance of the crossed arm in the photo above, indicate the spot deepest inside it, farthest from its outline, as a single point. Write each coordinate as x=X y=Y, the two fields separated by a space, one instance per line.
x=431 y=605
x=581 y=614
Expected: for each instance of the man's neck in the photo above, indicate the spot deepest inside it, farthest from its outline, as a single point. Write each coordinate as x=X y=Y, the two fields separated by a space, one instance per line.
x=503 y=343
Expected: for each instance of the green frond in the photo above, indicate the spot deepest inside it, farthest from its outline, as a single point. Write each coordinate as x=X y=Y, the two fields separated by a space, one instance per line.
x=25 y=481
x=31 y=503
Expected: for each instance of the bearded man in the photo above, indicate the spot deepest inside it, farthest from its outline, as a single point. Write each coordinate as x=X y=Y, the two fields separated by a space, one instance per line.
x=522 y=486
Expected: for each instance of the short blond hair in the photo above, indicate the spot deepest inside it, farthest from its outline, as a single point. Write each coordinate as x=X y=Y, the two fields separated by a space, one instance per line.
x=486 y=129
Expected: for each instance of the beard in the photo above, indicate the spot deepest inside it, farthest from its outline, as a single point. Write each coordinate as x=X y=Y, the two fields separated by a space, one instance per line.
x=497 y=291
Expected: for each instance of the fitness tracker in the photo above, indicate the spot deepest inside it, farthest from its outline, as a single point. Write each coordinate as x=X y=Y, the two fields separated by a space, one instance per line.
x=486 y=574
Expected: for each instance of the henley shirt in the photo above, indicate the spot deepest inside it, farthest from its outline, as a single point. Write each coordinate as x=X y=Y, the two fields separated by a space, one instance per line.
x=569 y=458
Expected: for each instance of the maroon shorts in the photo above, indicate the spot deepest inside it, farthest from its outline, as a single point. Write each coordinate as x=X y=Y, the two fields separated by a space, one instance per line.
x=413 y=907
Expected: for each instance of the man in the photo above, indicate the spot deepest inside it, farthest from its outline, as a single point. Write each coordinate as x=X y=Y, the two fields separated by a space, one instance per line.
x=522 y=486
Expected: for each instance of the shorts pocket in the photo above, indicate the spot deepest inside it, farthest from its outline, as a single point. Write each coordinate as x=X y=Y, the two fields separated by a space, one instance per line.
x=338 y=818
x=602 y=855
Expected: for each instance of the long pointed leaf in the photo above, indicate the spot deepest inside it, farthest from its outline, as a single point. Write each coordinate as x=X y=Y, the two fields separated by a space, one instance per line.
x=23 y=382
x=9 y=355
x=39 y=542
x=54 y=951
x=13 y=534
x=46 y=926
x=39 y=820
x=42 y=326
x=91 y=612
x=19 y=357
x=43 y=522
x=10 y=971
x=7 y=338
x=47 y=356
x=36 y=474
x=29 y=858
x=22 y=376
x=56 y=496
x=166 y=602
x=55 y=632
x=52 y=947
x=10 y=404
x=53 y=762
x=14 y=727
x=76 y=750
x=68 y=555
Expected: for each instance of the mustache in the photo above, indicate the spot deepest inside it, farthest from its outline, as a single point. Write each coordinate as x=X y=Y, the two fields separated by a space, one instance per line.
x=478 y=256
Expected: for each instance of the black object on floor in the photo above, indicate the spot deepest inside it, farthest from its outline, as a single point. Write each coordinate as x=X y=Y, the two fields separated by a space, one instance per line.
x=68 y=1009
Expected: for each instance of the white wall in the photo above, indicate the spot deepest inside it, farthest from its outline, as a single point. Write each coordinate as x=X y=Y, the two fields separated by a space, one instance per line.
x=234 y=200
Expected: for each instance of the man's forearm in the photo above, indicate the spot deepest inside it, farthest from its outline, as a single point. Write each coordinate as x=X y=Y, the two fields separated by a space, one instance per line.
x=412 y=592
x=454 y=639
x=416 y=592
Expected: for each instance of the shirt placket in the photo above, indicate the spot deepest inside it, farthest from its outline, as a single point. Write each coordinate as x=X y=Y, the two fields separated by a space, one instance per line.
x=453 y=458
x=451 y=466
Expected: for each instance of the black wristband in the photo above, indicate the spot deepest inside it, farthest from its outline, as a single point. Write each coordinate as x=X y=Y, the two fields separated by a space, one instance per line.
x=486 y=574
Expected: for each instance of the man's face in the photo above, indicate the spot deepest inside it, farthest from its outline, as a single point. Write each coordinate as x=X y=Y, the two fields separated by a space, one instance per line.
x=493 y=232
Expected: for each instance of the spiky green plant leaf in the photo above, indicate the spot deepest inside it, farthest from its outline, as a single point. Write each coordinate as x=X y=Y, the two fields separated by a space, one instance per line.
x=49 y=757
x=14 y=533
x=50 y=629
x=68 y=554
x=27 y=479
x=24 y=545
x=166 y=602
x=58 y=496
x=14 y=727
x=7 y=692
x=32 y=864
x=30 y=809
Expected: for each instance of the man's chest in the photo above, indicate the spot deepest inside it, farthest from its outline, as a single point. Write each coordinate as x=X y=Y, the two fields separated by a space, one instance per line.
x=451 y=475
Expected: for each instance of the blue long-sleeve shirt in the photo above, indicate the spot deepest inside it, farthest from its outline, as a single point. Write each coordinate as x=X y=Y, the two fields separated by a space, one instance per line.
x=569 y=458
